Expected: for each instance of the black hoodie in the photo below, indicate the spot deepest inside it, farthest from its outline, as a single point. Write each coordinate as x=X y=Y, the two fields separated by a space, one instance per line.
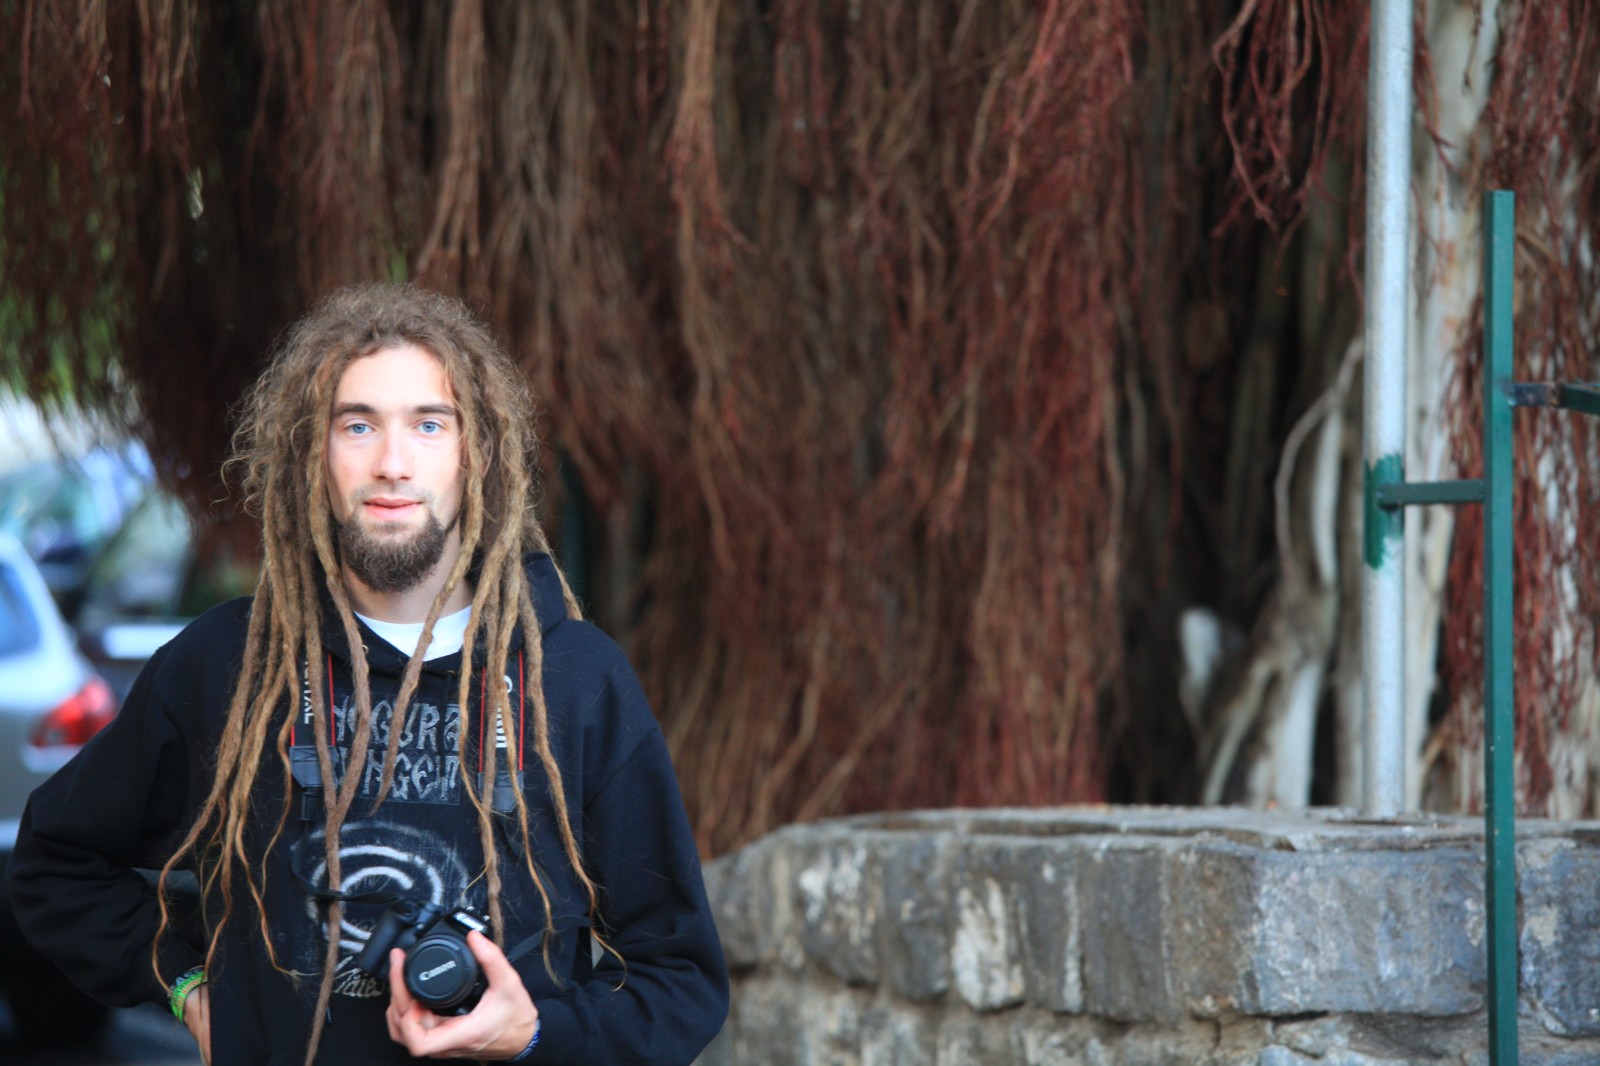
x=123 y=803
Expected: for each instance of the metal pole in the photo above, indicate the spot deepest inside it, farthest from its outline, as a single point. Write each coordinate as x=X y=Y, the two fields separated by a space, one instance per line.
x=1499 y=694
x=1387 y=320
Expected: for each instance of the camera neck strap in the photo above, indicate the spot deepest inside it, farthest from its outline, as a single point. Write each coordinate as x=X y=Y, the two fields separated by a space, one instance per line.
x=304 y=765
x=560 y=925
x=507 y=778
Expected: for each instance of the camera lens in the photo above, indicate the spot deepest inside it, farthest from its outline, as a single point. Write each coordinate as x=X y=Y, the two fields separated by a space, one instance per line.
x=441 y=971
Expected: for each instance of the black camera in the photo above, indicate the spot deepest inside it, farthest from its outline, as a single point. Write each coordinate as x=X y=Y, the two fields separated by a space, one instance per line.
x=440 y=970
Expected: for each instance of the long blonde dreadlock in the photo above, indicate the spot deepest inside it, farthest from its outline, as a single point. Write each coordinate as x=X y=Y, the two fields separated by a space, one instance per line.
x=280 y=446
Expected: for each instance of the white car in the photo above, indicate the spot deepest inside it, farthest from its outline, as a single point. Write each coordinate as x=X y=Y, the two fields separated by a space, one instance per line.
x=51 y=703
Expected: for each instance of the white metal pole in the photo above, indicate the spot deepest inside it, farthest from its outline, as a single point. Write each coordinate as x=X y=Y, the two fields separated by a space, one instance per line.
x=1387 y=287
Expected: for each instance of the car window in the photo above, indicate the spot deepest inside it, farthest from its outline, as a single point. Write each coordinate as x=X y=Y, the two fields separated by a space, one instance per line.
x=19 y=626
x=140 y=574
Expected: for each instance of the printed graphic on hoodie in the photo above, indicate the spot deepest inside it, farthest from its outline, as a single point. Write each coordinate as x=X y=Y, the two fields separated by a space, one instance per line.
x=427 y=768
x=376 y=855
x=407 y=848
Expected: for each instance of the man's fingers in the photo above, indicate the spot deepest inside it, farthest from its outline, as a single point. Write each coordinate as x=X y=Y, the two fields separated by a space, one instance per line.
x=497 y=1028
x=420 y=1030
x=197 y=1018
x=399 y=995
x=425 y=1034
x=497 y=969
x=392 y=1018
x=404 y=1011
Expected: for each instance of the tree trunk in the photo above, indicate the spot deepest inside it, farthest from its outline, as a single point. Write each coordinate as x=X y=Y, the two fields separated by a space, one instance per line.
x=1449 y=271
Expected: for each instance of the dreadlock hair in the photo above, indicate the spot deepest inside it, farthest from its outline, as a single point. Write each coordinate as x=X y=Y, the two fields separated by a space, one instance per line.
x=280 y=446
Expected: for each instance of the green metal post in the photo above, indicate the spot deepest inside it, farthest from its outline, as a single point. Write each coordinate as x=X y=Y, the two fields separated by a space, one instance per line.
x=1499 y=694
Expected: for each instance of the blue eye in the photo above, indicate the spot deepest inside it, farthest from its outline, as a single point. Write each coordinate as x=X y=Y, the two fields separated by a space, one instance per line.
x=358 y=429
x=431 y=427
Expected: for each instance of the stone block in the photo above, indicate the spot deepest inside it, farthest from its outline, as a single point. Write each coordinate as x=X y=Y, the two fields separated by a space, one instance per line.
x=1584 y=1054
x=1053 y=938
x=1367 y=933
x=1128 y=965
x=1282 y=1056
x=965 y=1040
x=1559 y=885
x=1048 y=1039
x=916 y=916
x=1275 y=932
x=896 y=1037
x=1214 y=887
x=764 y=1023
x=1016 y=929
x=1313 y=1037
x=989 y=922
x=1381 y=1038
x=792 y=1021
x=1163 y=1046
x=835 y=893
x=1044 y=1046
x=745 y=900
x=831 y=1027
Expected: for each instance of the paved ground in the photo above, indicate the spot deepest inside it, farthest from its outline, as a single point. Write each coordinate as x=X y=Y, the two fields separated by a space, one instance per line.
x=144 y=1035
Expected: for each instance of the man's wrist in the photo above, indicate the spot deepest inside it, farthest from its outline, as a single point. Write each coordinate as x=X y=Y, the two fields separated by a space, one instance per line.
x=533 y=1042
x=191 y=981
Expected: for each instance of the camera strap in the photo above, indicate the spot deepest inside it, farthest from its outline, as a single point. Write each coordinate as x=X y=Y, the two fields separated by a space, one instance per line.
x=304 y=765
x=325 y=896
x=561 y=925
x=507 y=780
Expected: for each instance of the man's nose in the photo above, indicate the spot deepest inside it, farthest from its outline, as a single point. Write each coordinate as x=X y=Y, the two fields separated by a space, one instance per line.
x=394 y=458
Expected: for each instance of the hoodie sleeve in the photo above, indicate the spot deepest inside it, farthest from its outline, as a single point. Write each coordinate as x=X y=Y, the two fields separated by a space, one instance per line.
x=669 y=997
x=75 y=878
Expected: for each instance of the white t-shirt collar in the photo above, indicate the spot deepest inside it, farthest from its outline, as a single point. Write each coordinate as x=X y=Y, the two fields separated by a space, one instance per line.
x=449 y=632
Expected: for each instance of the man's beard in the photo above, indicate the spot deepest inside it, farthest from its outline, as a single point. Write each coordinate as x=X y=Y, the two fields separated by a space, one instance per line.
x=391 y=565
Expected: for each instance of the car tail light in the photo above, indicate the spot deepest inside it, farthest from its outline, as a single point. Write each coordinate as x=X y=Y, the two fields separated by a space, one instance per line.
x=77 y=718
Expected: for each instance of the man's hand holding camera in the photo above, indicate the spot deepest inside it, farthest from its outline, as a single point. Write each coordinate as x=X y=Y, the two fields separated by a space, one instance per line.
x=499 y=1027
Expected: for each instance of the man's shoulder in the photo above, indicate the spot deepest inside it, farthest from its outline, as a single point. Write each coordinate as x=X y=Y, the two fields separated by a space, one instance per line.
x=232 y=616
x=579 y=647
x=593 y=689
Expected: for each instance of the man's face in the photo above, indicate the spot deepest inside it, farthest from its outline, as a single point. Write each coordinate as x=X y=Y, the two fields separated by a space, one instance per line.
x=394 y=468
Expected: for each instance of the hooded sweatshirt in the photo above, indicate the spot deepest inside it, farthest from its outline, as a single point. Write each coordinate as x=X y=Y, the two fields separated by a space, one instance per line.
x=122 y=805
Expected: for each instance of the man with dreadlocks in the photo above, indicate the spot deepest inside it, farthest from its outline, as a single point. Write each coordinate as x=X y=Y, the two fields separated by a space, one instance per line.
x=409 y=712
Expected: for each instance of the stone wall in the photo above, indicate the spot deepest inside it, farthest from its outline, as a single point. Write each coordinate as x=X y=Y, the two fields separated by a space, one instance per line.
x=1125 y=936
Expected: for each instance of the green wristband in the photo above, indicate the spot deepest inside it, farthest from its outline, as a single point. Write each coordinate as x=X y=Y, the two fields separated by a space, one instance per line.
x=182 y=987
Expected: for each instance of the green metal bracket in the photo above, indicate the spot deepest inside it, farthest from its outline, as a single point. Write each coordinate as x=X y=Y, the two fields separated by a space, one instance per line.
x=1413 y=493
x=1385 y=523
x=1584 y=399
